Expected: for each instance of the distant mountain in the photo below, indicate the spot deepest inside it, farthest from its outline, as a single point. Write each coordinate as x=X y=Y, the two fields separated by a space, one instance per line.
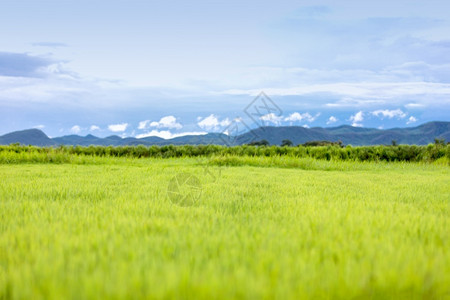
x=349 y=135
x=420 y=135
x=114 y=140
x=27 y=137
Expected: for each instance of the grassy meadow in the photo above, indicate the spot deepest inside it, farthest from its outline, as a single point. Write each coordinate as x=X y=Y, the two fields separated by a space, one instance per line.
x=262 y=227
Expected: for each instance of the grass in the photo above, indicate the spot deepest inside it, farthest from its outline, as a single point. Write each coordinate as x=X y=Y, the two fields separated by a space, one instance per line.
x=288 y=229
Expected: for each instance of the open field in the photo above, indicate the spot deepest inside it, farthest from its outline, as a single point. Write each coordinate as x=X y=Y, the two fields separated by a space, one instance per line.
x=295 y=228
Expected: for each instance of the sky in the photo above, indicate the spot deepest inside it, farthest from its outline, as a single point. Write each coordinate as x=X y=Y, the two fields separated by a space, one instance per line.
x=170 y=68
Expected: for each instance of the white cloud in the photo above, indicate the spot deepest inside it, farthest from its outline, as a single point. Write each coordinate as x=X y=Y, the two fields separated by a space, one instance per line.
x=143 y=124
x=271 y=118
x=358 y=89
x=39 y=126
x=237 y=121
x=357 y=118
x=294 y=117
x=165 y=134
x=305 y=126
x=118 y=127
x=332 y=120
x=297 y=117
x=355 y=102
x=75 y=129
x=359 y=94
x=94 y=127
x=212 y=123
x=414 y=105
x=386 y=113
x=411 y=120
x=165 y=122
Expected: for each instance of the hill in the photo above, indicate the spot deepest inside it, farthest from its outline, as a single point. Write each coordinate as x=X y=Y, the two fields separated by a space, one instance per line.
x=27 y=137
x=420 y=135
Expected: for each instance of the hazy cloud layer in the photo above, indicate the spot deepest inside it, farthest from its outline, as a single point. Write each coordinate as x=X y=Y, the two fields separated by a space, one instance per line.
x=22 y=65
x=381 y=64
x=49 y=44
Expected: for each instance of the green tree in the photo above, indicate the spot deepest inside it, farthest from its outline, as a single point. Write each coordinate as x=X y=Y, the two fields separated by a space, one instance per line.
x=259 y=143
x=287 y=143
x=439 y=142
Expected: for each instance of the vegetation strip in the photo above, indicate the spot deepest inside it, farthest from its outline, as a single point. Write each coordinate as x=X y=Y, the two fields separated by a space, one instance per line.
x=67 y=154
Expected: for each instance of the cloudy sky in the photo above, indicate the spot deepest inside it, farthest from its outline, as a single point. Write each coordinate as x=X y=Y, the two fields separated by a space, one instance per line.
x=168 y=68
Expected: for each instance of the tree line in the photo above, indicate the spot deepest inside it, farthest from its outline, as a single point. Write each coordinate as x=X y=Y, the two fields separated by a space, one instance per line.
x=333 y=151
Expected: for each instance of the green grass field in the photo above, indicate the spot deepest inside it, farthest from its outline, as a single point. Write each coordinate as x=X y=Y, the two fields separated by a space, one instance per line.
x=261 y=228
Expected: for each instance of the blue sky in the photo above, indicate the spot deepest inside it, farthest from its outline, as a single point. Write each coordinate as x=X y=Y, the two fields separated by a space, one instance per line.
x=168 y=68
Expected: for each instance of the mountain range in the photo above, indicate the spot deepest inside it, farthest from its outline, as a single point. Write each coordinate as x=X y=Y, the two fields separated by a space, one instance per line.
x=420 y=135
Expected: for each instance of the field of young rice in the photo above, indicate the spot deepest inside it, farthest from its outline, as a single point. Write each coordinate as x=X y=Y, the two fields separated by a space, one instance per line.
x=234 y=228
